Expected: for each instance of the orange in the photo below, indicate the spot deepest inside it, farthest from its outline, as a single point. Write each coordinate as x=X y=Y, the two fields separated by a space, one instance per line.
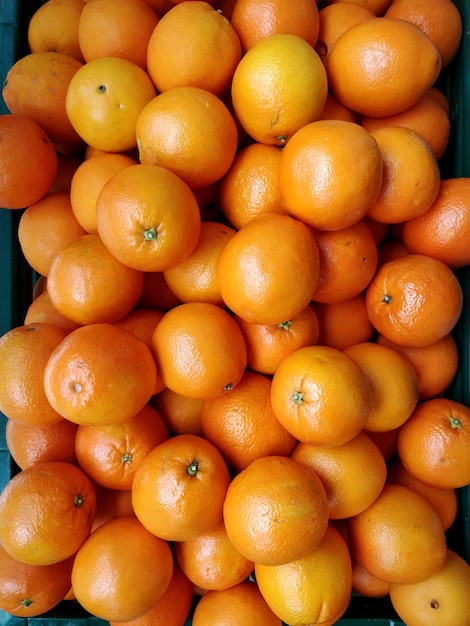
x=24 y=353
x=334 y=110
x=87 y=182
x=378 y=7
x=100 y=374
x=41 y=310
x=104 y=99
x=266 y=288
x=435 y=365
x=142 y=234
x=411 y=175
x=179 y=488
x=88 y=296
x=251 y=186
x=386 y=441
x=433 y=443
x=182 y=415
x=194 y=279
x=379 y=230
x=342 y=469
x=399 y=538
x=211 y=562
x=275 y=510
x=111 y=454
x=279 y=86
x=191 y=132
x=254 y=20
x=314 y=167
x=382 y=66
x=321 y=396
x=342 y=324
x=30 y=444
x=46 y=227
x=47 y=511
x=441 y=599
x=393 y=381
x=242 y=424
x=30 y=590
x=29 y=162
x=348 y=260
x=366 y=584
x=206 y=32
x=444 y=500
x=268 y=344
x=405 y=304
x=141 y=322
x=440 y=20
x=111 y=503
x=67 y=163
x=240 y=604
x=116 y=579
x=156 y=294
x=122 y=30
x=199 y=350
x=313 y=589
x=443 y=230
x=391 y=249
x=53 y=27
x=36 y=86
x=160 y=6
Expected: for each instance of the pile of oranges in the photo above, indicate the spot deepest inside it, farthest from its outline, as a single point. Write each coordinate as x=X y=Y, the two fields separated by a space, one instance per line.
x=227 y=399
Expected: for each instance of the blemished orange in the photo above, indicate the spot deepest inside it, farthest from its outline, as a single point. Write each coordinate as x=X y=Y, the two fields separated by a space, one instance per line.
x=119 y=580
x=104 y=100
x=342 y=469
x=279 y=86
x=433 y=443
x=47 y=511
x=313 y=589
x=443 y=230
x=179 y=488
x=156 y=294
x=268 y=344
x=443 y=499
x=242 y=424
x=275 y=510
x=366 y=584
x=399 y=538
x=191 y=132
x=321 y=395
x=334 y=110
x=46 y=227
x=30 y=444
x=211 y=562
x=31 y=590
x=254 y=20
x=251 y=187
x=182 y=415
x=199 y=63
x=342 y=324
x=111 y=454
x=24 y=353
x=266 y=288
x=122 y=30
x=411 y=175
x=348 y=260
x=29 y=162
x=194 y=279
x=440 y=20
x=240 y=604
x=100 y=374
x=36 y=86
x=87 y=182
x=393 y=381
x=172 y=608
x=312 y=172
x=199 y=350
x=53 y=27
x=378 y=7
x=42 y=311
x=143 y=234
x=405 y=304
x=382 y=66
x=441 y=599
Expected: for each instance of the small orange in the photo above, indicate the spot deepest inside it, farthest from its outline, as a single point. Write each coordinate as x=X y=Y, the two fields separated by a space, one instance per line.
x=342 y=324
x=179 y=488
x=47 y=511
x=42 y=311
x=366 y=584
x=116 y=579
x=334 y=110
x=53 y=27
x=182 y=415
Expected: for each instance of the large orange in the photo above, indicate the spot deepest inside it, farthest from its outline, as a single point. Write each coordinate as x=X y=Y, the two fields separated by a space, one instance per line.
x=266 y=288
x=342 y=324
x=330 y=174
x=53 y=27
x=275 y=510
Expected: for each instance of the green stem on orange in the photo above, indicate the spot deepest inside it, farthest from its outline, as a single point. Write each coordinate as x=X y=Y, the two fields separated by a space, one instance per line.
x=297 y=397
x=285 y=325
x=193 y=468
x=150 y=234
x=455 y=422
